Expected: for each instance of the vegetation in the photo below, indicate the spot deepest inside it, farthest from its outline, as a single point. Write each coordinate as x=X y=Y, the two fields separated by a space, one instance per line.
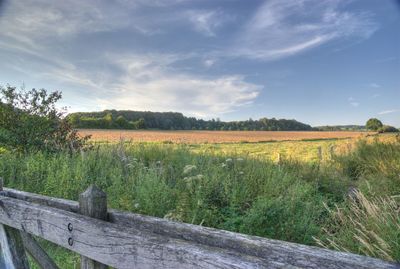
x=387 y=129
x=125 y=119
x=295 y=200
x=341 y=128
x=341 y=194
x=373 y=124
x=29 y=120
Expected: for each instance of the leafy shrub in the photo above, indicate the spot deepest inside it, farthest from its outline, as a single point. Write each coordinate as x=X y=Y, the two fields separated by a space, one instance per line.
x=387 y=129
x=30 y=120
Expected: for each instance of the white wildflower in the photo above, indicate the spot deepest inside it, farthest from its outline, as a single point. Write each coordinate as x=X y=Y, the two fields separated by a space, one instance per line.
x=188 y=169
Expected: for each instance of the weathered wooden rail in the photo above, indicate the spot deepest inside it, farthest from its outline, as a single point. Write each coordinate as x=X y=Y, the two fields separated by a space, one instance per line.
x=126 y=240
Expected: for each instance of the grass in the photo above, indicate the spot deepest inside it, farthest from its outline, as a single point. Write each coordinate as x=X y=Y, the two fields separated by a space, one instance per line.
x=237 y=187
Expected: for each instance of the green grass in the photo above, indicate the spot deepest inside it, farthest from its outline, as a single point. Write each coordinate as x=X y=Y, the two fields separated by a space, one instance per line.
x=236 y=187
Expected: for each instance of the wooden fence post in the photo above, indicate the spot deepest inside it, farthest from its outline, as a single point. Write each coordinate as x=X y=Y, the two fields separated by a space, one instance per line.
x=93 y=203
x=332 y=152
x=12 y=252
x=319 y=153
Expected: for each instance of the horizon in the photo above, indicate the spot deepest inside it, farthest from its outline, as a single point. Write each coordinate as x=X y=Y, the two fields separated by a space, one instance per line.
x=318 y=62
x=331 y=125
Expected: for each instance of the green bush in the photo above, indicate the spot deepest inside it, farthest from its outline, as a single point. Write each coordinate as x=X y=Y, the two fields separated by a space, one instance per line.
x=387 y=129
x=29 y=120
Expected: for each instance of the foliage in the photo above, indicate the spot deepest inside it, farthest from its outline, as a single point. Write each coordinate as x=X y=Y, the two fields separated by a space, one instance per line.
x=176 y=121
x=201 y=184
x=373 y=124
x=387 y=129
x=30 y=120
x=332 y=128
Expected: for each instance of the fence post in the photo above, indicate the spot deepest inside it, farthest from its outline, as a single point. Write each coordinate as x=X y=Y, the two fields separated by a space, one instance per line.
x=12 y=252
x=93 y=203
x=319 y=153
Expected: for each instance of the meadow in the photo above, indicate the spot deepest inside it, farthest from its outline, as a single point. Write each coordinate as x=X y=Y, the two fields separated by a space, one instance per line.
x=340 y=193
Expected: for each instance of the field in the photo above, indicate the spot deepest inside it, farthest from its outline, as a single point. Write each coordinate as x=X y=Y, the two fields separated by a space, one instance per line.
x=297 y=190
x=196 y=137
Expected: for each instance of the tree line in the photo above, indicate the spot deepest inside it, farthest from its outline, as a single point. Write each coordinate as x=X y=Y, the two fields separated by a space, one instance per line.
x=126 y=119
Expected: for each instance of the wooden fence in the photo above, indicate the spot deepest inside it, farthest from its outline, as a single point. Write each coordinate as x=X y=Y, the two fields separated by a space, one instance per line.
x=126 y=240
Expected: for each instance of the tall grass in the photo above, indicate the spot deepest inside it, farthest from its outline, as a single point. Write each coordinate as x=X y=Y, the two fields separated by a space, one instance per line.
x=367 y=226
x=291 y=200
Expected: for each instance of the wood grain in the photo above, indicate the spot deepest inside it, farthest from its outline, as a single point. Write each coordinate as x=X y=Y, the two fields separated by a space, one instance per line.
x=37 y=252
x=222 y=247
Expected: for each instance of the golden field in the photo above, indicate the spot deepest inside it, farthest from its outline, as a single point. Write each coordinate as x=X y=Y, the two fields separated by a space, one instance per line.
x=199 y=137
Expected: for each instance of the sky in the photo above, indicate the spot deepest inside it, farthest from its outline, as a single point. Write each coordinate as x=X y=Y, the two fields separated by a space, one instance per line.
x=317 y=61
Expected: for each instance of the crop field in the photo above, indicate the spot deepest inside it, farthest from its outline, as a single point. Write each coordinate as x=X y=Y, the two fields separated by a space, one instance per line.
x=195 y=137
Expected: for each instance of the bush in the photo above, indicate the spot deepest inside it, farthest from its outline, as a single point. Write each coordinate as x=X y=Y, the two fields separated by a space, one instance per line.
x=30 y=120
x=387 y=129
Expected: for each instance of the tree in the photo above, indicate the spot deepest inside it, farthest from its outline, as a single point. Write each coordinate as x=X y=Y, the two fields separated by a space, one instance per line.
x=30 y=120
x=122 y=122
x=373 y=124
x=108 y=120
x=387 y=129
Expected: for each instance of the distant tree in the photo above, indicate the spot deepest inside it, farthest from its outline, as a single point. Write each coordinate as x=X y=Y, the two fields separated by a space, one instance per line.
x=141 y=123
x=387 y=129
x=30 y=120
x=121 y=122
x=373 y=124
x=108 y=120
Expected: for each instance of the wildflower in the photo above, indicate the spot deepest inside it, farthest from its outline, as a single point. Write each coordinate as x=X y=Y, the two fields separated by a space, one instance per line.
x=239 y=159
x=241 y=173
x=188 y=169
x=199 y=176
x=223 y=165
x=136 y=205
x=229 y=160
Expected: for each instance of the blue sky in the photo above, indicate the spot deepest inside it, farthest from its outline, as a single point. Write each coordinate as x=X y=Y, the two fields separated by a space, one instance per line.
x=320 y=62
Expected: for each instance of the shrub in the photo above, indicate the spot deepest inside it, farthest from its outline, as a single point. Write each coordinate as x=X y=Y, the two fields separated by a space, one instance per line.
x=387 y=129
x=30 y=120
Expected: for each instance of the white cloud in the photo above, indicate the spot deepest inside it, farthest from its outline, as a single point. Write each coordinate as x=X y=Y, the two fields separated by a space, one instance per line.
x=353 y=102
x=209 y=62
x=207 y=21
x=388 y=111
x=148 y=82
x=282 y=28
x=374 y=85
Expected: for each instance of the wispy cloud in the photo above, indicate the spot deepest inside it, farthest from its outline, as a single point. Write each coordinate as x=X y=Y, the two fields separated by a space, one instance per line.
x=207 y=21
x=388 y=111
x=353 y=102
x=374 y=85
x=148 y=81
x=282 y=28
